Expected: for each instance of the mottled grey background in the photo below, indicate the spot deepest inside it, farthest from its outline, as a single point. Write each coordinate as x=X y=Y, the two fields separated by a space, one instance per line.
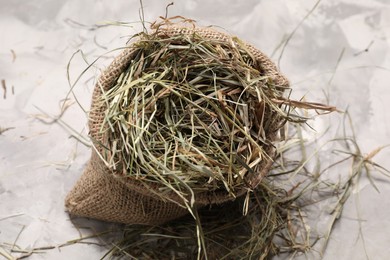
x=39 y=162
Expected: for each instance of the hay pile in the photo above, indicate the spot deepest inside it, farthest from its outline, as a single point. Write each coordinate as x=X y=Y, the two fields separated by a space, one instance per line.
x=183 y=119
x=193 y=114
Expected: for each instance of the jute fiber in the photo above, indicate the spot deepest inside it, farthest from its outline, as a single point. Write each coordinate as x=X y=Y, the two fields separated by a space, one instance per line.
x=105 y=194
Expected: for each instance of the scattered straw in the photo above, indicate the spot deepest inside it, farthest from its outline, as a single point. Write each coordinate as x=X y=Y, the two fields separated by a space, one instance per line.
x=4 y=129
x=228 y=234
x=3 y=84
x=13 y=53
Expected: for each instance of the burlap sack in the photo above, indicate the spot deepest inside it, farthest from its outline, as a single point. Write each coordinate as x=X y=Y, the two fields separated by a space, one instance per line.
x=103 y=194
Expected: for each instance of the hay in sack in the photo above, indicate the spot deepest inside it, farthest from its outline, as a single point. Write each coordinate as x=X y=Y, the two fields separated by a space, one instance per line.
x=184 y=117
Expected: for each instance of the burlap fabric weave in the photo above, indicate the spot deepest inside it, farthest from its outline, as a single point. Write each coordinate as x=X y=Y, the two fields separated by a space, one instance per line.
x=103 y=194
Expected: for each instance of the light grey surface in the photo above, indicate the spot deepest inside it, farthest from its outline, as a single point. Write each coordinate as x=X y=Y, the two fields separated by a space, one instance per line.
x=39 y=163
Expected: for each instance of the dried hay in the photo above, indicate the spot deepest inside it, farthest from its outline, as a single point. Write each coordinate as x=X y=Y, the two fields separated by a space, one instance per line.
x=194 y=114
